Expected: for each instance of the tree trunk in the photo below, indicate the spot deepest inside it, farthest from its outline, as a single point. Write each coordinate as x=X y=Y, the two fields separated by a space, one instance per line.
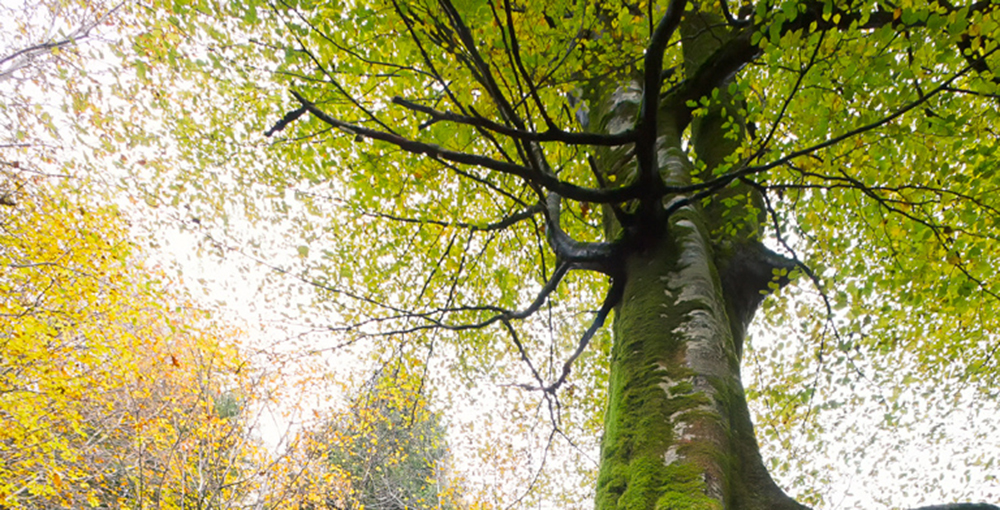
x=677 y=431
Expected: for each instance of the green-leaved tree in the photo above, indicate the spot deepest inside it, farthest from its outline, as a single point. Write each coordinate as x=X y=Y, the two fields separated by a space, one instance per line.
x=491 y=181
x=389 y=448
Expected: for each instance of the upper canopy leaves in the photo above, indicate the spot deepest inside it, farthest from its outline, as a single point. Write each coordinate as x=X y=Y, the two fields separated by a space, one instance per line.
x=443 y=141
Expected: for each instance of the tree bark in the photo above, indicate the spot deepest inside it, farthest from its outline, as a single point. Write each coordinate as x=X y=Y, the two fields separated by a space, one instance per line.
x=678 y=432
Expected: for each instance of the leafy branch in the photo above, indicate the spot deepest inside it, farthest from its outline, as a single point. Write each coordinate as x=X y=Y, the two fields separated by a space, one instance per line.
x=530 y=175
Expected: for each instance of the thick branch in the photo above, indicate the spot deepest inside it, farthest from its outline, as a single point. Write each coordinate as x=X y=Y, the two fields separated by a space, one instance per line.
x=740 y=51
x=725 y=179
x=544 y=179
x=718 y=68
x=653 y=67
x=593 y=256
x=734 y=22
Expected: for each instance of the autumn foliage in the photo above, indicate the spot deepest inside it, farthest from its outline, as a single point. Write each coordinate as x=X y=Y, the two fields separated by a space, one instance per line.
x=113 y=390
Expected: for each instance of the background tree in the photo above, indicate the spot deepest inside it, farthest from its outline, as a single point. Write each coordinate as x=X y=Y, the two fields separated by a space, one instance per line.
x=109 y=393
x=490 y=174
x=383 y=449
x=389 y=445
x=117 y=389
x=43 y=50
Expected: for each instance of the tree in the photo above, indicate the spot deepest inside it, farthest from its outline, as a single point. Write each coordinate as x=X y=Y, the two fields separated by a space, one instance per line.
x=390 y=447
x=110 y=394
x=42 y=57
x=384 y=450
x=510 y=167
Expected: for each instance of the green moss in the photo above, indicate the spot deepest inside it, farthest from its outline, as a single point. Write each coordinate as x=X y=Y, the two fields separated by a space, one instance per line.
x=639 y=430
x=684 y=489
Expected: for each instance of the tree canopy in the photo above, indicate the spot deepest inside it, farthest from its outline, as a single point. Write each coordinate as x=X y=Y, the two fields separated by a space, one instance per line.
x=474 y=190
x=109 y=393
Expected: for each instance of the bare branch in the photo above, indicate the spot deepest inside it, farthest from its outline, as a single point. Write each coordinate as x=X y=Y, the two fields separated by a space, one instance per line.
x=19 y=59
x=480 y=66
x=610 y=301
x=501 y=224
x=515 y=50
x=521 y=350
x=795 y=258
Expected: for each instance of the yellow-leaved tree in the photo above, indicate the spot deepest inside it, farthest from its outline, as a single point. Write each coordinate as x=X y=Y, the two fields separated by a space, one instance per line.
x=113 y=390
